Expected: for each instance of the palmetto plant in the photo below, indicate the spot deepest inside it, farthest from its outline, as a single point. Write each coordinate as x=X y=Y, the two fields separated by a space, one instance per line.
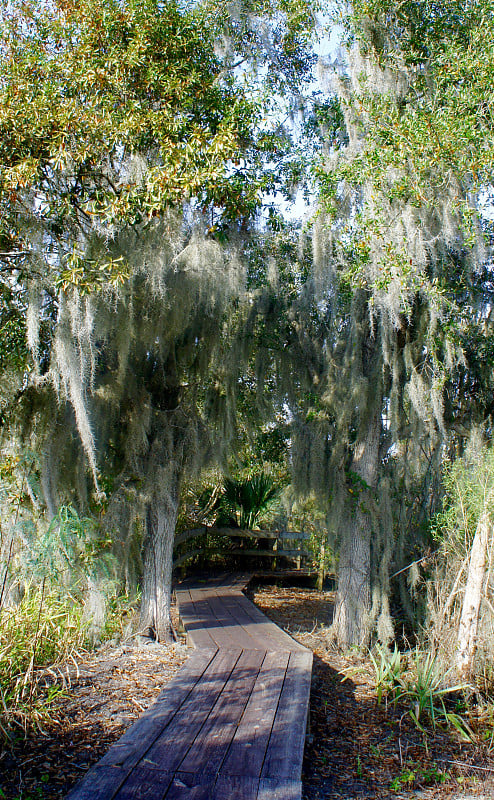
x=243 y=502
x=426 y=693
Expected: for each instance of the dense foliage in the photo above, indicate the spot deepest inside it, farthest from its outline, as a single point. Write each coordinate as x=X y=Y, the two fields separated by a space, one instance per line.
x=126 y=210
x=169 y=314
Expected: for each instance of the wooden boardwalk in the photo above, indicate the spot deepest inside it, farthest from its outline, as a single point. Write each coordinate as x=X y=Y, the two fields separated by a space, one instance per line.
x=230 y=725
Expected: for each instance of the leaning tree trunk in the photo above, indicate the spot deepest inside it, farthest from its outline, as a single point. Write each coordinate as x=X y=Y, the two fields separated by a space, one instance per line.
x=469 y=621
x=158 y=564
x=352 y=623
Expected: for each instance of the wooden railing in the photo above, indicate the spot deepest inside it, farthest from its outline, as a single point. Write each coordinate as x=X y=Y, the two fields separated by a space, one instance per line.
x=280 y=540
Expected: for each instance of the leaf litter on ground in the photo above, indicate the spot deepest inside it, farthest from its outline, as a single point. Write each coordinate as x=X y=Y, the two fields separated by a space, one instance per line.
x=355 y=748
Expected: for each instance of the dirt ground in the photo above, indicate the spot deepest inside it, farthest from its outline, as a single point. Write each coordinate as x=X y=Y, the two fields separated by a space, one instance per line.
x=355 y=748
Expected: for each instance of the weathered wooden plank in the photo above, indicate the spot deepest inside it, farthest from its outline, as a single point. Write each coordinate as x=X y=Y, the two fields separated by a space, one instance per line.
x=258 y=635
x=199 y=787
x=191 y=787
x=248 y=748
x=296 y=536
x=240 y=551
x=262 y=627
x=195 y=619
x=213 y=741
x=145 y=784
x=192 y=533
x=240 y=533
x=169 y=749
x=279 y=790
x=100 y=783
x=257 y=639
x=239 y=580
x=286 y=574
x=282 y=639
x=286 y=744
x=234 y=787
x=208 y=582
x=183 y=682
x=225 y=580
x=190 y=554
x=286 y=553
x=219 y=630
x=132 y=746
x=224 y=608
x=230 y=725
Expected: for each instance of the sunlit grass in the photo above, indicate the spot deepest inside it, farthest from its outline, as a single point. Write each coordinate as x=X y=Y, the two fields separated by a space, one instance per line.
x=36 y=636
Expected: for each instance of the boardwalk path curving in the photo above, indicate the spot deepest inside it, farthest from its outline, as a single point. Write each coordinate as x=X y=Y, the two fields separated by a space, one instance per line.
x=230 y=725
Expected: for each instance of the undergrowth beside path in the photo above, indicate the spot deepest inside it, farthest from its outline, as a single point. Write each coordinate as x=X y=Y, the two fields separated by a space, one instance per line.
x=356 y=748
x=359 y=749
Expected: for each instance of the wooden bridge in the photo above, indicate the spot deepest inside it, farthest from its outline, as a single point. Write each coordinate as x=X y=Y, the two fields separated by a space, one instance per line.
x=230 y=725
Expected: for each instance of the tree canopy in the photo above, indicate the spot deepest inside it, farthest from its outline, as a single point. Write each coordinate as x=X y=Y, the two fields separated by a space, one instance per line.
x=133 y=157
x=141 y=144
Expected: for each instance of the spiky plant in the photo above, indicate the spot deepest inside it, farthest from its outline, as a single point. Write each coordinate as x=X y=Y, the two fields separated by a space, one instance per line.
x=246 y=501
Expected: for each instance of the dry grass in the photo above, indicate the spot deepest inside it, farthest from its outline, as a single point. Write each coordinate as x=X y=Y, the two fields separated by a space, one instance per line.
x=35 y=636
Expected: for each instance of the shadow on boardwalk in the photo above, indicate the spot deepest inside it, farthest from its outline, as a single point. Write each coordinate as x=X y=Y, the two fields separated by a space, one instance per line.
x=230 y=725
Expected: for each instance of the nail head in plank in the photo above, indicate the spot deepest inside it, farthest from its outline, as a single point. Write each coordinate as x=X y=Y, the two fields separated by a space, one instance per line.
x=191 y=787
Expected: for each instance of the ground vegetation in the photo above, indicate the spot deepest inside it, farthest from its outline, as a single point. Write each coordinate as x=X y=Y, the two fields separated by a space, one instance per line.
x=356 y=748
x=159 y=315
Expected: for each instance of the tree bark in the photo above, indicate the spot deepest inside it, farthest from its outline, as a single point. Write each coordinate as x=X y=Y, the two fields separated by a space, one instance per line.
x=469 y=621
x=158 y=564
x=352 y=623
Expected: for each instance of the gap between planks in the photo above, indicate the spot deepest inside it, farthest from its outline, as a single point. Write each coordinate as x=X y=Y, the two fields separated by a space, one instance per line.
x=230 y=725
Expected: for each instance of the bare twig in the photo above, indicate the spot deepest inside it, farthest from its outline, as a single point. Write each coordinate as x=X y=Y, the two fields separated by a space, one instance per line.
x=469 y=766
x=404 y=569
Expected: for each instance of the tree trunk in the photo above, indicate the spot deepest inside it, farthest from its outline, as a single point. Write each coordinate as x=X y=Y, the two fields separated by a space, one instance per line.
x=352 y=623
x=469 y=621
x=95 y=609
x=158 y=564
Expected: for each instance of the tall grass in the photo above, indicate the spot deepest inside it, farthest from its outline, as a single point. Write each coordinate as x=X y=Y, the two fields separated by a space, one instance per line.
x=468 y=483
x=36 y=635
x=47 y=571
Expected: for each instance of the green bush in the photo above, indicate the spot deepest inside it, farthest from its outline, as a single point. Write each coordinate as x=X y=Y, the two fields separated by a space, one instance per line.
x=46 y=574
